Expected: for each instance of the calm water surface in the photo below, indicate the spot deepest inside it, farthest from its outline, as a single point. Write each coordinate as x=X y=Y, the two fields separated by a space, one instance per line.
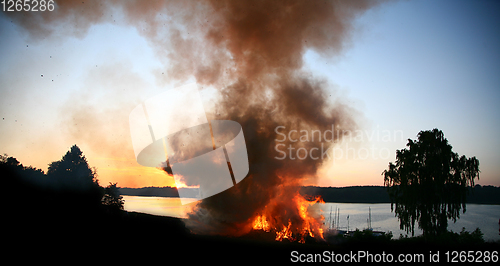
x=486 y=217
x=382 y=219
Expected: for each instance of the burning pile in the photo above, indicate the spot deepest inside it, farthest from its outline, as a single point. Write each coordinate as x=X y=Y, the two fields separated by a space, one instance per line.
x=304 y=226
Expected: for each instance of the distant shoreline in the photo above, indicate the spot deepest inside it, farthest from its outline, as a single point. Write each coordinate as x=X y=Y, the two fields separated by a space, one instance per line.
x=354 y=194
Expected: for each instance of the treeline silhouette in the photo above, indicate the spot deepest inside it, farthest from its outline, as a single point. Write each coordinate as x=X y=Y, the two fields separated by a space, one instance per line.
x=356 y=194
x=67 y=196
x=68 y=203
x=378 y=194
x=150 y=191
x=159 y=191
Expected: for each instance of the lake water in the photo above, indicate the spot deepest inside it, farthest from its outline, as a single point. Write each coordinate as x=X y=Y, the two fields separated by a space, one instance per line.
x=382 y=219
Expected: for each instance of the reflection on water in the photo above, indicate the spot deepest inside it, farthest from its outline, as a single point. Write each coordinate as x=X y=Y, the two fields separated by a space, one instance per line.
x=382 y=219
x=158 y=205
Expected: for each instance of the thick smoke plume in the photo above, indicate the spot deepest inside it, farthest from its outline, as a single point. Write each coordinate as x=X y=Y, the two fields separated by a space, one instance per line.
x=252 y=52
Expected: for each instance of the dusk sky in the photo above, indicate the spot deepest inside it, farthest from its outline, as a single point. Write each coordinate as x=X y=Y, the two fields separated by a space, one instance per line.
x=407 y=66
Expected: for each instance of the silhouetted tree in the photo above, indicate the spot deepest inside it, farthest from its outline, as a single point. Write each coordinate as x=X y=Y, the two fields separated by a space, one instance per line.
x=73 y=171
x=428 y=183
x=77 y=192
x=9 y=161
x=112 y=198
x=13 y=169
x=9 y=171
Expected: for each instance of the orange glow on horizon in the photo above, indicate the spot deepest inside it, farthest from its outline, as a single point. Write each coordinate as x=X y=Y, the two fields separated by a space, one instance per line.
x=179 y=183
x=128 y=173
x=135 y=177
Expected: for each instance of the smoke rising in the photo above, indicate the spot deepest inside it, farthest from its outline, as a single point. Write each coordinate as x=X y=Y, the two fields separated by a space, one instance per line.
x=259 y=47
x=252 y=52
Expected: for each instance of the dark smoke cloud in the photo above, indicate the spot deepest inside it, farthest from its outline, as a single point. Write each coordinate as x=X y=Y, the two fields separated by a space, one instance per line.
x=263 y=43
x=252 y=52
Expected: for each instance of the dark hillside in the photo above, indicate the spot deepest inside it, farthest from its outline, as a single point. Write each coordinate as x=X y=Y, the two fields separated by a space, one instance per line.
x=358 y=194
x=378 y=194
x=361 y=194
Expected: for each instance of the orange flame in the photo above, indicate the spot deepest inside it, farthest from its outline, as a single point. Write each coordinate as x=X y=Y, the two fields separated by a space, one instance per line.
x=261 y=223
x=285 y=233
x=307 y=224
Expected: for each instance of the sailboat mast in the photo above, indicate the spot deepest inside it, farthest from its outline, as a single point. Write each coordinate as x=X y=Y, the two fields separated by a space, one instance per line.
x=330 y=220
x=338 y=218
x=370 y=217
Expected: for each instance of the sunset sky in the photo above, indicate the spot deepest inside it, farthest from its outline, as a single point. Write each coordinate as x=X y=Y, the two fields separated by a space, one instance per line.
x=408 y=66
